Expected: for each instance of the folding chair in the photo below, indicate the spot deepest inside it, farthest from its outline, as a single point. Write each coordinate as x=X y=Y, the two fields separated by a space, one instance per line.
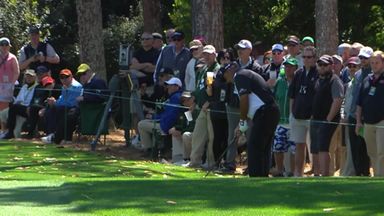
x=90 y=118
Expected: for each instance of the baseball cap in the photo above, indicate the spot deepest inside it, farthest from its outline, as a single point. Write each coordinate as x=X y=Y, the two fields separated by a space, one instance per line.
x=83 y=68
x=244 y=44
x=353 y=60
x=229 y=65
x=293 y=40
x=156 y=35
x=5 y=41
x=166 y=70
x=291 y=61
x=338 y=58
x=366 y=52
x=186 y=94
x=178 y=35
x=34 y=30
x=327 y=59
x=30 y=72
x=209 y=49
x=47 y=80
x=308 y=38
x=278 y=47
x=41 y=69
x=195 y=44
x=174 y=81
x=66 y=72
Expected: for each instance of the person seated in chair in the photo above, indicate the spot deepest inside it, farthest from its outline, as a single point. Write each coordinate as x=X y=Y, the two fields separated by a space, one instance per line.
x=165 y=120
x=64 y=111
x=95 y=89
x=21 y=103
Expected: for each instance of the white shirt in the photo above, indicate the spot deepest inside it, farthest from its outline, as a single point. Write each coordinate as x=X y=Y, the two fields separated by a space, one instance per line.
x=190 y=76
x=25 y=95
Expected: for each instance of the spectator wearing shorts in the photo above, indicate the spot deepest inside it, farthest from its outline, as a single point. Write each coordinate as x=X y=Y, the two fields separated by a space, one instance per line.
x=328 y=97
x=9 y=73
x=282 y=142
x=301 y=93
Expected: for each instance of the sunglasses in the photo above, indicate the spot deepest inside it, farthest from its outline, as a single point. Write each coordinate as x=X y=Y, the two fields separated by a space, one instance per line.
x=308 y=57
x=226 y=57
x=177 y=39
x=362 y=58
x=276 y=53
x=64 y=76
x=143 y=39
x=322 y=64
x=352 y=66
x=194 y=49
x=291 y=45
x=4 y=44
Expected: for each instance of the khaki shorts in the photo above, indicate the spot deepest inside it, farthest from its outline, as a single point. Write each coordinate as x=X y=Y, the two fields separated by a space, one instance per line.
x=299 y=129
x=4 y=115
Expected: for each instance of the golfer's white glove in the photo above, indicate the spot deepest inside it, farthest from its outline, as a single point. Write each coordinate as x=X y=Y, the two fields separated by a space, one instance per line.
x=243 y=126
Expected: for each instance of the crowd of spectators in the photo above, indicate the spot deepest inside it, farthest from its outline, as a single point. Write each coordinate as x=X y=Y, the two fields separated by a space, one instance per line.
x=289 y=106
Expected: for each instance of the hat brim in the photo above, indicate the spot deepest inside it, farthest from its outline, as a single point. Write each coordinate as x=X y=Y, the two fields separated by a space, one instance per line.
x=194 y=47
x=241 y=46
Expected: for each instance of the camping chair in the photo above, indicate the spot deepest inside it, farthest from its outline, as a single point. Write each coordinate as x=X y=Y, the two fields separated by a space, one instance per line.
x=90 y=118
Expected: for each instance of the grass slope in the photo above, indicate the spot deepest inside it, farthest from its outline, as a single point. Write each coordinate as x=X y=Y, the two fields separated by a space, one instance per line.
x=43 y=180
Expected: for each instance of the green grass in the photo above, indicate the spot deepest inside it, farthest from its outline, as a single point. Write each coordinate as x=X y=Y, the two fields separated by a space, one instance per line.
x=43 y=180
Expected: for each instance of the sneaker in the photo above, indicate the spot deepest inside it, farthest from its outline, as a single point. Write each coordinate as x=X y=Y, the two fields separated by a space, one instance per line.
x=48 y=138
x=191 y=165
x=207 y=166
x=2 y=134
x=135 y=142
x=180 y=163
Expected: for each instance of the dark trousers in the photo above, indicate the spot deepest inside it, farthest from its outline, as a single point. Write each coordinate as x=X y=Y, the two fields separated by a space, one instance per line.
x=220 y=131
x=15 y=110
x=260 y=140
x=50 y=120
x=66 y=123
x=359 y=150
x=33 y=118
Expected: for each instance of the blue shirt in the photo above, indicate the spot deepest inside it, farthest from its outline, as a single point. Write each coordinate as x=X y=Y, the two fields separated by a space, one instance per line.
x=68 y=95
x=356 y=86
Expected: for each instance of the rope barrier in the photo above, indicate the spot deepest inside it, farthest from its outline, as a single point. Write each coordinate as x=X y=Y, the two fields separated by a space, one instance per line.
x=99 y=92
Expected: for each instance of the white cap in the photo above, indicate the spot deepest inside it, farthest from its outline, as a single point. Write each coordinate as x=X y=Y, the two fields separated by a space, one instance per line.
x=174 y=81
x=209 y=49
x=366 y=52
x=244 y=44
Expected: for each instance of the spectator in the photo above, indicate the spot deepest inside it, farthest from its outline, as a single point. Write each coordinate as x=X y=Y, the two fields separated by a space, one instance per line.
x=355 y=49
x=327 y=100
x=370 y=106
x=43 y=90
x=165 y=120
x=225 y=56
x=217 y=104
x=182 y=131
x=158 y=42
x=95 y=89
x=307 y=41
x=271 y=71
x=203 y=131
x=256 y=103
x=358 y=145
x=144 y=60
x=258 y=52
x=293 y=45
x=282 y=143
x=344 y=50
x=244 y=49
x=354 y=66
x=21 y=103
x=267 y=57
x=174 y=56
x=301 y=93
x=37 y=53
x=9 y=73
x=196 y=49
x=67 y=106
x=168 y=35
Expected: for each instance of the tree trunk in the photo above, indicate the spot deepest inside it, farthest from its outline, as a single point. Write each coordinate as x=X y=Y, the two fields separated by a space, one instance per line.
x=89 y=20
x=327 y=27
x=152 y=15
x=208 y=21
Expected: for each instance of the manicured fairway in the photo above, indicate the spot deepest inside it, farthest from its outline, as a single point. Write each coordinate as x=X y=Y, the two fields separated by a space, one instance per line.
x=40 y=179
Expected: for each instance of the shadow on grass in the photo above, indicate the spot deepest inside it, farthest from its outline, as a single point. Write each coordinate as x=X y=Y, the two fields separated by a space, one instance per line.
x=303 y=197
